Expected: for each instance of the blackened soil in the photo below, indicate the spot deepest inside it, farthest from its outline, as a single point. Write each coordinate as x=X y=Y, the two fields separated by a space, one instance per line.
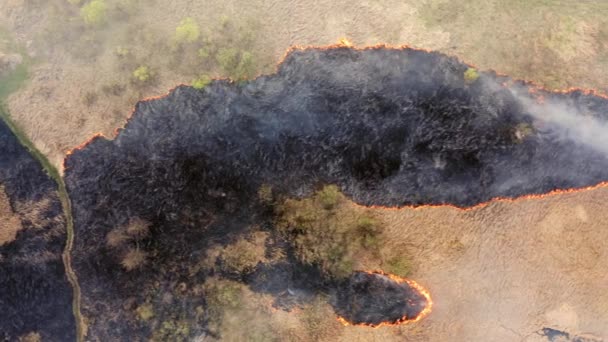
x=373 y=299
x=390 y=127
x=35 y=295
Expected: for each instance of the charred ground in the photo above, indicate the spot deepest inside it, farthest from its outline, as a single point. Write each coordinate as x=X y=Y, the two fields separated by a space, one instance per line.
x=35 y=296
x=390 y=127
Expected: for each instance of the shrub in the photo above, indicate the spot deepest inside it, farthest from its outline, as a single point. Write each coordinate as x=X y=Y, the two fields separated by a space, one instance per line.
x=138 y=228
x=227 y=59
x=142 y=74
x=222 y=296
x=145 y=311
x=122 y=52
x=31 y=337
x=201 y=82
x=327 y=232
x=116 y=238
x=245 y=68
x=94 y=13
x=188 y=31
x=133 y=259
x=399 y=265
x=470 y=75
x=329 y=196
x=265 y=194
x=241 y=256
x=172 y=330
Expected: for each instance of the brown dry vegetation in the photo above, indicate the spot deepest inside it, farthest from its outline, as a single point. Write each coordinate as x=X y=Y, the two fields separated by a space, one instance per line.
x=238 y=257
x=242 y=315
x=329 y=232
x=496 y=273
x=135 y=230
x=10 y=222
x=31 y=337
x=133 y=259
x=83 y=82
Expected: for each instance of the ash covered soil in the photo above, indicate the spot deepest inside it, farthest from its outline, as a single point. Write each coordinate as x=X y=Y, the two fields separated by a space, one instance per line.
x=373 y=299
x=35 y=296
x=390 y=127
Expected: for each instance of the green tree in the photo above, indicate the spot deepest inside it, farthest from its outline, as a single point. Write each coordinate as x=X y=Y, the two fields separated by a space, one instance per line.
x=94 y=13
x=188 y=31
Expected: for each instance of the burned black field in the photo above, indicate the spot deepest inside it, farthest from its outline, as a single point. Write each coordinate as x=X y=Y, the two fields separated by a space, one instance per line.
x=389 y=127
x=372 y=299
x=35 y=296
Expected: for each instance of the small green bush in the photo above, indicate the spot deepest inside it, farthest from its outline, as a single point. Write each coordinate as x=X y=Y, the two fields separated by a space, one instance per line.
x=399 y=266
x=329 y=196
x=145 y=311
x=327 y=232
x=188 y=31
x=94 y=13
x=142 y=74
x=265 y=194
x=222 y=296
x=172 y=330
x=471 y=75
x=201 y=82
x=227 y=59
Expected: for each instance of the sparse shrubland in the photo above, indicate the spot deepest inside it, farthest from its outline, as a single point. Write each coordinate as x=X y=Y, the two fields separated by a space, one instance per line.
x=238 y=257
x=125 y=240
x=328 y=231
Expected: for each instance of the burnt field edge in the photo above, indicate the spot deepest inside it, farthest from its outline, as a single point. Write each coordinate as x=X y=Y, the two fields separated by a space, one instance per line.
x=344 y=44
x=66 y=208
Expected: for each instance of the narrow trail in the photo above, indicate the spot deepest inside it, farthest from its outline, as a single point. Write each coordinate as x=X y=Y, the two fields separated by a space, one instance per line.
x=67 y=210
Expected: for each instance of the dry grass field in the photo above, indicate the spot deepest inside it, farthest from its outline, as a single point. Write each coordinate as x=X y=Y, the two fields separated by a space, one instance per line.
x=498 y=272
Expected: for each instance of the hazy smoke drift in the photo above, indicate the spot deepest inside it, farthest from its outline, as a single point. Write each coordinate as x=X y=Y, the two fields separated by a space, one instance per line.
x=564 y=121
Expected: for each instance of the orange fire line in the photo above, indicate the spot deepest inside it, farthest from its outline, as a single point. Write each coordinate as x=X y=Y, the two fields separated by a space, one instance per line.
x=346 y=44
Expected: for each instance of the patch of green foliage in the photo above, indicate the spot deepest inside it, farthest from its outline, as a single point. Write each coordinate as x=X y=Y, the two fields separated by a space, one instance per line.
x=470 y=75
x=222 y=296
x=145 y=311
x=328 y=232
x=236 y=64
x=94 y=13
x=142 y=73
x=201 y=82
x=265 y=194
x=172 y=330
x=187 y=31
x=398 y=265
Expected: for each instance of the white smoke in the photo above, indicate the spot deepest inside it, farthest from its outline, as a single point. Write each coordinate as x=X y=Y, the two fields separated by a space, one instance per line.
x=565 y=121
